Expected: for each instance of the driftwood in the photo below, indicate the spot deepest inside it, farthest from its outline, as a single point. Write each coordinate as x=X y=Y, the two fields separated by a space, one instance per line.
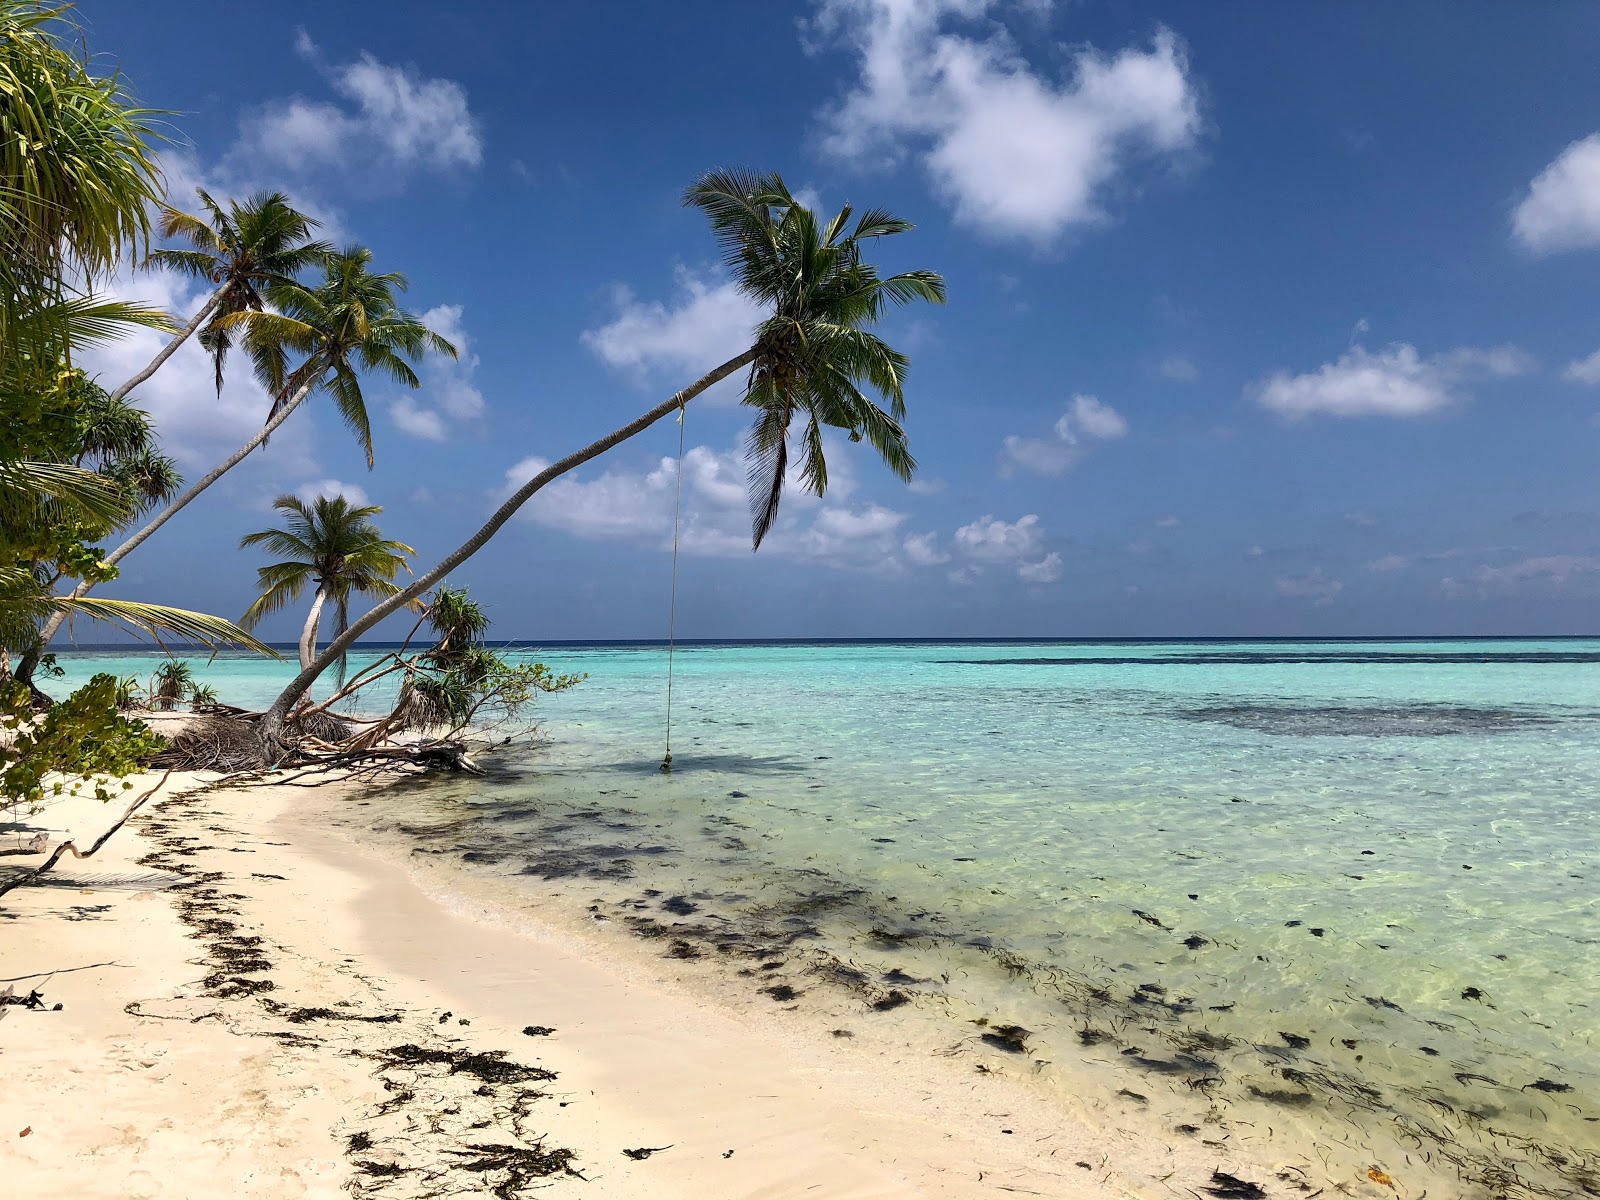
x=64 y=847
x=323 y=758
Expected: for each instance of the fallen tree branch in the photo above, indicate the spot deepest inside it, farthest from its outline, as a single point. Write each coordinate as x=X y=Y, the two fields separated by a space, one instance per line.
x=64 y=847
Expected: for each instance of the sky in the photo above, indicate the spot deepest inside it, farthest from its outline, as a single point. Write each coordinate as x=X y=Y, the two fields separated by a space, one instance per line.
x=1263 y=320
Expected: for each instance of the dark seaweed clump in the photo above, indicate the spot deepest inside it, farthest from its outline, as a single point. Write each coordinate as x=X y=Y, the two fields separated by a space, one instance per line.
x=490 y=1066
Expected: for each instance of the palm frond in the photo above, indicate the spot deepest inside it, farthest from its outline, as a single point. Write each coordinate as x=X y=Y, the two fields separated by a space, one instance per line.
x=157 y=620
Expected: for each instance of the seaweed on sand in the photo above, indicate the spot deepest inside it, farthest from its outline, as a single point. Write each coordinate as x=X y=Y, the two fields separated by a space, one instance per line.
x=1011 y=1038
x=488 y=1066
x=1231 y=1187
x=520 y=1164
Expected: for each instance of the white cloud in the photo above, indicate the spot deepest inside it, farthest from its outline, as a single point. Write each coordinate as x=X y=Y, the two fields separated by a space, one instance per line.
x=392 y=120
x=1584 y=370
x=1167 y=521
x=922 y=550
x=638 y=505
x=1314 y=585
x=1086 y=417
x=1092 y=419
x=1046 y=570
x=449 y=397
x=1562 y=208
x=709 y=322
x=989 y=539
x=1017 y=154
x=1394 y=382
x=353 y=492
x=926 y=487
x=419 y=422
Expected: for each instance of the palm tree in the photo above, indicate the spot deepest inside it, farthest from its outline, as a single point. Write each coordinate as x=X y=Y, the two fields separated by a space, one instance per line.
x=816 y=351
x=79 y=173
x=244 y=250
x=812 y=358
x=332 y=545
x=347 y=325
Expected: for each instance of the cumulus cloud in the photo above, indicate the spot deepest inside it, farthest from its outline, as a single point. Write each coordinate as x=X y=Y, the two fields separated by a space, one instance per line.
x=1085 y=419
x=1562 y=208
x=1314 y=585
x=1046 y=570
x=389 y=121
x=1017 y=154
x=417 y=421
x=1394 y=382
x=1584 y=370
x=922 y=550
x=449 y=397
x=638 y=505
x=991 y=540
x=708 y=322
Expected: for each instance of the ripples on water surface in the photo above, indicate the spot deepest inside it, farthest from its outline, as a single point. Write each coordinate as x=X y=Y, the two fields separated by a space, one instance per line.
x=1347 y=893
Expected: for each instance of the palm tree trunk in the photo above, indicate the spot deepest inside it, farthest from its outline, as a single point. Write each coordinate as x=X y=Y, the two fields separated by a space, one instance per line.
x=182 y=502
x=269 y=729
x=308 y=635
x=167 y=351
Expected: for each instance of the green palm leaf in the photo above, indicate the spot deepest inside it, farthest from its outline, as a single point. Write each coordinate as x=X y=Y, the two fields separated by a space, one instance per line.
x=816 y=357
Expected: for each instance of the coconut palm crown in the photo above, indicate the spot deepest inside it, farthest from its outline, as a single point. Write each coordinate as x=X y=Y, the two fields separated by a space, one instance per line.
x=333 y=546
x=816 y=359
x=348 y=324
x=243 y=250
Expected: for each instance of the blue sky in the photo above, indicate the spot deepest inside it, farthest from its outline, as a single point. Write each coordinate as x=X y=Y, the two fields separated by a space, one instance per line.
x=1263 y=319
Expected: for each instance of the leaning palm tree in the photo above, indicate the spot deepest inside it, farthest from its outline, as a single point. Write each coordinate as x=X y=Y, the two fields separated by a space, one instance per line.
x=347 y=325
x=814 y=359
x=244 y=250
x=332 y=545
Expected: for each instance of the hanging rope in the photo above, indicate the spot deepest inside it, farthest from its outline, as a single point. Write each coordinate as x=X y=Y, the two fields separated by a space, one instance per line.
x=672 y=612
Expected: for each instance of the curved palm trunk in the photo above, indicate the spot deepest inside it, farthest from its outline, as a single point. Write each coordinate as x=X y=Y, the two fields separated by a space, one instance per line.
x=171 y=348
x=182 y=502
x=269 y=729
x=308 y=635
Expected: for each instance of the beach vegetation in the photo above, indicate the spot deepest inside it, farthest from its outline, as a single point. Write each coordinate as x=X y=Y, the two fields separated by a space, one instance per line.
x=81 y=742
x=172 y=683
x=335 y=549
x=75 y=466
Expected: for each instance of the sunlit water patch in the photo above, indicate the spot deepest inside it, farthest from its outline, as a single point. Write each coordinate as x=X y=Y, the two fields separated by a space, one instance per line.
x=1339 y=903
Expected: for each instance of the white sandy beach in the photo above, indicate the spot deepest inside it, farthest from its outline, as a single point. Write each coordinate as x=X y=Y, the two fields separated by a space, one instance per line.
x=148 y=1082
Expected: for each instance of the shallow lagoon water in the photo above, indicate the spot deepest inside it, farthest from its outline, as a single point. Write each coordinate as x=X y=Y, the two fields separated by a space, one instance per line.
x=1340 y=901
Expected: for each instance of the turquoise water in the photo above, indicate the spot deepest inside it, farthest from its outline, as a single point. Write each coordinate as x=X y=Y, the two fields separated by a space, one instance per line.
x=1338 y=902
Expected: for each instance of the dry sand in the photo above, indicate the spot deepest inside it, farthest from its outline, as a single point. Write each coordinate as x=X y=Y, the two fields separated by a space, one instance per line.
x=173 y=1070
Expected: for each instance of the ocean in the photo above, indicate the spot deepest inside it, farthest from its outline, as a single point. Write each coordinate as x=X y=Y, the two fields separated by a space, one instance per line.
x=1335 y=901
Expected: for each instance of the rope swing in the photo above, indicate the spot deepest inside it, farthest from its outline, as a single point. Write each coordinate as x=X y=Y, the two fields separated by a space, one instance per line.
x=672 y=612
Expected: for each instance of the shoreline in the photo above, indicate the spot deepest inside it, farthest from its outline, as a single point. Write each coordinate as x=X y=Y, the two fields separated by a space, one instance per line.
x=163 y=1076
